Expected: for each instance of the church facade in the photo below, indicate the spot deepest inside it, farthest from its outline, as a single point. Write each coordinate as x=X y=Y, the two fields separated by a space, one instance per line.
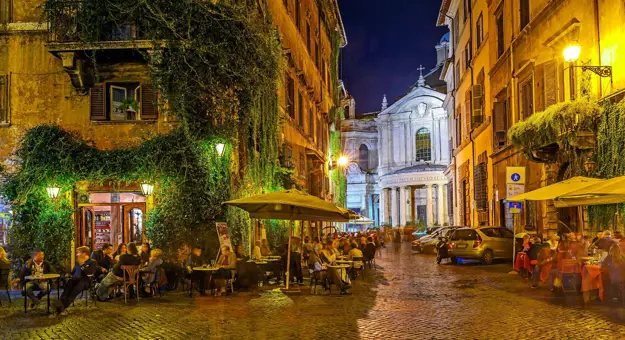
x=399 y=155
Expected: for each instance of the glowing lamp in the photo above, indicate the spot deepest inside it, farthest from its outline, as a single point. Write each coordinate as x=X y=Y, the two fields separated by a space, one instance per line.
x=147 y=189
x=571 y=53
x=220 y=147
x=53 y=192
x=342 y=161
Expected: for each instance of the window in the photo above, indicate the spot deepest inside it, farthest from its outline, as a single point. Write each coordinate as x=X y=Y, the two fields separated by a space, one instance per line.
x=302 y=165
x=123 y=102
x=4 y=98
x=290 y=96
x=450 y=200
x=500 y=42
x=477 y=111
x=468 y=54
x=311 y=123
x=524 y=9
x=527 y=99
x=5 y=11
x=455 y=25
x=480 y=180
x=458 y=121
x=501 y=123
x=466 y=9
x=464 y=235
x=300 y=110
x=492 y=232
x=297 y=15
x=363 y=157
x=423 y=145
x=457 y=76
x=479 y=32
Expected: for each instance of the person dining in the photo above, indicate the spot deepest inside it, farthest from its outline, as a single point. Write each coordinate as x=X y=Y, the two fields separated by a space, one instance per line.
x=148 y=272
x=526 y=243
x=35 y=266
x=195 y=260
x=553 y=242
x=614 y=266
x=546 y=257
x=256 y=253
x=240 y=253
x=83 y=269
x=145 y=253
x=4 y=260
x=121 y=250
x=104 y=259
x=606 y=242
x=328 y=257
x=226 y=263
x=264 y=248
x=369 y=251
x=116 y=276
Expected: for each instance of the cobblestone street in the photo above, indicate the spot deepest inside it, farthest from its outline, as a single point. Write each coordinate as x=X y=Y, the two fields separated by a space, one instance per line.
x=408 y=297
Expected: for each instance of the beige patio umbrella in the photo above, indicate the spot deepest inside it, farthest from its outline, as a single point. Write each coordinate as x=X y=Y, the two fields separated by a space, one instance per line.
x=291 y=205
x=556 y=190
x=609 y=191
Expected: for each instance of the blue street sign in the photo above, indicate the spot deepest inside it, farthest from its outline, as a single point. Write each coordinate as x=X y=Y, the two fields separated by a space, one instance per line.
x=515 y=207
x=515 y=177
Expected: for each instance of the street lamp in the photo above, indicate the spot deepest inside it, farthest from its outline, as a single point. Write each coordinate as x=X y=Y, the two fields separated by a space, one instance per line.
x=53 y=192
x=147 y=189
x=342 y=161
x=220 y=147
x=589 y=166
x=571 y=55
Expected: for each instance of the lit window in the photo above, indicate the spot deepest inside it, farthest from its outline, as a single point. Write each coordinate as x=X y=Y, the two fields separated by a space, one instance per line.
x=423 y=145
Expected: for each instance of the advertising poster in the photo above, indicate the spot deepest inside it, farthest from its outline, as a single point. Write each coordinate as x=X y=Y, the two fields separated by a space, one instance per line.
x=224 y=235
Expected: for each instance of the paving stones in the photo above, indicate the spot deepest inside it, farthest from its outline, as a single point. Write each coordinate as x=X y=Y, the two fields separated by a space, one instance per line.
x=411 y=298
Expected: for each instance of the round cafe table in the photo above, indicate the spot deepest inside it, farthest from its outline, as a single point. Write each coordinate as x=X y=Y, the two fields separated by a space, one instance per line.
x=591 y=280
x=206 y=270
x=44 y=277
x=342 y=267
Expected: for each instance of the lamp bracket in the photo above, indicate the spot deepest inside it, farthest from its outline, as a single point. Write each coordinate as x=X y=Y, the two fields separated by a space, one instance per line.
x=601 y=71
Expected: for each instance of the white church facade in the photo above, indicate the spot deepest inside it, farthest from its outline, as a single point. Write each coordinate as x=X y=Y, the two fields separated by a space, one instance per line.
x=399 y=155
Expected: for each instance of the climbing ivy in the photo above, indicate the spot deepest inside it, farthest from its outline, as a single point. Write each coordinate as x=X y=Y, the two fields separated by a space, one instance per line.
x=216 y=65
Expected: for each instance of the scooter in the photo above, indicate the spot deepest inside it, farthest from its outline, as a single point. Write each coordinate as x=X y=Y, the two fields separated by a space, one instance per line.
x=442 y=249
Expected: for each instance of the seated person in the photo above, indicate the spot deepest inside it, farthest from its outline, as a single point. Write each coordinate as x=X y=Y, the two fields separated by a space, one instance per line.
x=526 y=243
x=145 y=253
x=36 y=266
x=240 y=253
x=116 y=276
x=264 y=248
x=369 y=251
x=80 y=278
x=226 y=263
x=121 y=249
x=104 y=259
x=328 y=257
x=545 y=257
x=195 y=260
x=534 y=249
x=4 y=260
x=256 y=253
x=355 y=252
x=148 y=273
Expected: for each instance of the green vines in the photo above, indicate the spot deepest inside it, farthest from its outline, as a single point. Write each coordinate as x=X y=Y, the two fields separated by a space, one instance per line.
x=337 y=176
x=216 y=65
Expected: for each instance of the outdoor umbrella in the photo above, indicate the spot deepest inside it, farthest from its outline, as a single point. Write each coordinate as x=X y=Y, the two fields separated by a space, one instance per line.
x=609 y=191
x=291 y=205
x=555 y=190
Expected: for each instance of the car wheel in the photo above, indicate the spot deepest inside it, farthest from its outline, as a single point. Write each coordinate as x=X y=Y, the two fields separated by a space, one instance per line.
x=487 y=257
x=454 y=260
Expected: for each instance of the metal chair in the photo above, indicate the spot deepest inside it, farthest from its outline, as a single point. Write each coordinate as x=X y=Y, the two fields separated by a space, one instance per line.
x=131 y=278
x=4 y=281
x=361 y=268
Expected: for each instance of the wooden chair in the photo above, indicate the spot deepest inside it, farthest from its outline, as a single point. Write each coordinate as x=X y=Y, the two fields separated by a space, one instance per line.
x=569 y=274
x=89 y=292
x=154 y=286
x=131 y=278
x=360 y=269
x=4 y=281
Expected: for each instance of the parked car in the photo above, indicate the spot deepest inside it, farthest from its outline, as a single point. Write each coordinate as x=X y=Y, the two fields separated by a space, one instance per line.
x=424 y=231
x=485 y=244
x=427 y=243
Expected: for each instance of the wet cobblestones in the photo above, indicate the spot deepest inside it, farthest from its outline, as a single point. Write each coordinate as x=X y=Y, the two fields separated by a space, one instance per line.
x=408 y=297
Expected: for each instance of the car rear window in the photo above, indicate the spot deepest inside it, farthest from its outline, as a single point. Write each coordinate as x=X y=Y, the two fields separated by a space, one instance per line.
x=497 y=232
x=465 y=234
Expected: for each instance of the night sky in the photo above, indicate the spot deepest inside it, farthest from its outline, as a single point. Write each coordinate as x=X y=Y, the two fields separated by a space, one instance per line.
x=387 y=41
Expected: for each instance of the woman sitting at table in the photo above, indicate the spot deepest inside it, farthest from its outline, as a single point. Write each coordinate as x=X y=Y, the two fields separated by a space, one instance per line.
x=328 y=257
x=546 y=258
x=264 y=248
x=526 y=243
x=615 y=265
x=148 y=272
x=227 y=263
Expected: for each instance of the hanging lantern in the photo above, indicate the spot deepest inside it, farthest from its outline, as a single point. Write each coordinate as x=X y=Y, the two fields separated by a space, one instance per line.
x=53 y=192
x=147 y=189
x=220 y=147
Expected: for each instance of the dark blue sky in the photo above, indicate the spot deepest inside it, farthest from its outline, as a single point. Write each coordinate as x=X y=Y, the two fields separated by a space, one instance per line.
x=387 y=41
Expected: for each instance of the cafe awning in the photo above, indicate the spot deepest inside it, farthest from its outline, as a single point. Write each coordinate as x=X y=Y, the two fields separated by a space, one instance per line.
x=361 y=220
x=609 y=191
x=555 y=190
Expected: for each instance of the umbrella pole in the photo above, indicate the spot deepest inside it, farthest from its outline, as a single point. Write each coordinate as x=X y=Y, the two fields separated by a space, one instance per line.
x=288 y=254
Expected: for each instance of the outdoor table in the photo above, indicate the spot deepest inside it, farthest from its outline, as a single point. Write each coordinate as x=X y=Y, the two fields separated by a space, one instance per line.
x=207 y=270
x=44 y=277
x=345 y=262
x=522 y=261
x=342 y=267
x=592 y=279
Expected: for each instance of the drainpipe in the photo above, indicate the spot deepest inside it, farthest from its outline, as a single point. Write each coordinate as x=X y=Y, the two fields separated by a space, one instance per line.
x=453 y=96
x=471 y=116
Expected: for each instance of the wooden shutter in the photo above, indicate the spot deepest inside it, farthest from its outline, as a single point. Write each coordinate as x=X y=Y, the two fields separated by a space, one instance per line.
x=551 y=83
x=149 y=110
x=499 y=121
x=476 y=112
x=467 y=113
x=97 y=105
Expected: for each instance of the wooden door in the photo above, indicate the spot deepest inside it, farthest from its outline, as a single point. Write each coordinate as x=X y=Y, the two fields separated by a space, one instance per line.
x=134 y=231
x=466 y=203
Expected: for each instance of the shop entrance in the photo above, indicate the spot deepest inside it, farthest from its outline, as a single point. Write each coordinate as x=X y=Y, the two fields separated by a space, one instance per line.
x=111 y=218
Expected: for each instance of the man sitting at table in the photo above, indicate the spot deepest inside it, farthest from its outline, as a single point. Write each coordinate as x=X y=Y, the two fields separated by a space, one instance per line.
x=116 y=276
x=226 y=263
x=195 y=260
x=36 y=266
x=546 y=257
x=606 y=242
x=369 y=251
x=80 y=278
x=104 y=259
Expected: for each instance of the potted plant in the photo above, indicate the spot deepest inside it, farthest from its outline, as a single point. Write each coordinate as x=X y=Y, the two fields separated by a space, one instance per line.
x=131 y=107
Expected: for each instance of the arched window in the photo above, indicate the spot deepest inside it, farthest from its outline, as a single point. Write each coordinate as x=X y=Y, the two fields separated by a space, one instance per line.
x=423 y=145
x=363 y=157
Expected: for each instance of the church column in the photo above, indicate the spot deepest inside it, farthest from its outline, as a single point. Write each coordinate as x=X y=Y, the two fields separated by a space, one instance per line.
x=415 y=199
x=383 y=201
x=369 y=203
x=439 y=200
x=394 y=213
x=408 y=201
x=430 y=215
x=402 y=206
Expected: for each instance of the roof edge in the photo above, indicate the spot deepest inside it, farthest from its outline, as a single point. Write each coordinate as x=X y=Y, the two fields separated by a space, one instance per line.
x=442 y=13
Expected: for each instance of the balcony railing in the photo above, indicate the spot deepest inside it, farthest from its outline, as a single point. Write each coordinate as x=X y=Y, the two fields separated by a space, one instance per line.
x=66 y=25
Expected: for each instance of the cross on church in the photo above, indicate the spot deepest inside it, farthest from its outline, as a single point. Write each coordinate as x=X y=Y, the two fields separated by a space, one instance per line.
x=420 y=69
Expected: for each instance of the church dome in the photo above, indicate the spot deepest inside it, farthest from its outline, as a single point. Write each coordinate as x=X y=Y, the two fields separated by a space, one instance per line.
x=445 y=38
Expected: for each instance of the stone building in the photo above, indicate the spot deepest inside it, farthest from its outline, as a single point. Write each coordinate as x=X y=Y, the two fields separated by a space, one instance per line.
x=400 y=153
x=524 y=73
x=47 y=77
